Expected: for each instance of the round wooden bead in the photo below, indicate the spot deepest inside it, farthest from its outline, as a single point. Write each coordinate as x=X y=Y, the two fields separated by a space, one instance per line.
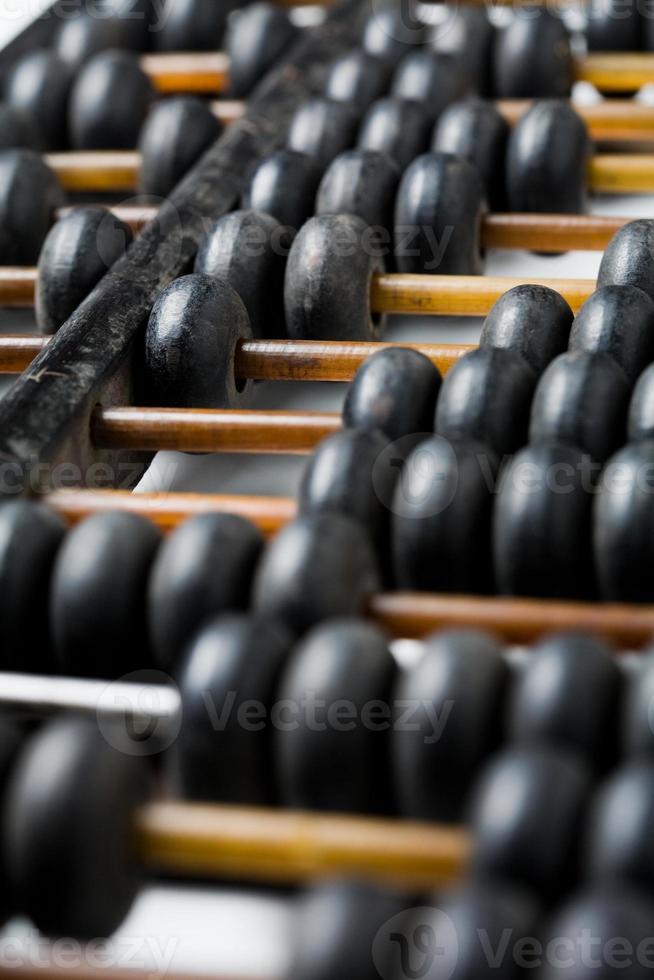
x=284 y=185
x=192 y=25
x=581 y=400
x=565 y=696
x=397 y=127
x=638 y=709
x=78 y=39
x=39 y=85
x=615 y=25
x=204 y=568
x=618 y=844
x=328 y=280
x=391 y=33
x=363 y=183
x=30 y=536
x=68 y=825
x=486 y=397
x=18 y=130
x=190 y=345
x=338 y=758
x=109 y=102
x=456 y=689
x=433 y=79
x=29 y=196
x=230 y=672
x=257 y=37
x=97 y=601
x=175 y=135
x=248 y=250
x=358 y=78
x=546 y=160
x=532 y=59
x=618 y=321
x=474 y=129
x=628 y=258
x=323 y=128
x=376 y=397
x=443 y=506
x=316 y=568
x=77 y=253
x=468 y=35
x=534 y=321
x=525 y=814
x=542 y=524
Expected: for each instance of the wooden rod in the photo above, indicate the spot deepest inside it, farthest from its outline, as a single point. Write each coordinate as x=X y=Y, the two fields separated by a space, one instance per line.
x=616 y=72
x=201 y=72
x=96 y=170
x=17 y=285
x=615 y=173
x=609 y=120
x=134 y=215
x=550 y=232
x=296 y=847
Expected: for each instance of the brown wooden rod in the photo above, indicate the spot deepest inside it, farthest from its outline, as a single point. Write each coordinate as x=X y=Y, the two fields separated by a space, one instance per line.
x=615 y=173
x=105 y=171
x=616 y=72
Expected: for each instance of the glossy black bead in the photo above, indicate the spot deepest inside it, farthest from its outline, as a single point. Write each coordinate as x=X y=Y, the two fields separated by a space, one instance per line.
x=248 y=249
x=618 y=321
x=486 y=396
x=525 y=816
x=284 y=185
x=30 y=536
x=442 y=518
x=190 y=345
x=628 y=259
x=337 y=759
x=97 y=601
x=376 y=397
x=615 y=25
x=109 y=102
x=437 y=217
x=12 y=738
x=532 y=57
x=533 y=321
x=80 y=248
x=363 y=183
x=474 y=129
x=637 y=726
x=316 y=568
x=192 y=25
x=542 y=524
x=328 y=280
x=397 y=127
x=358 y=78
x=39 y=85
x=435 y=80
x=173 y=138
x=392 y=32
x=323 y=128
x=581 y=400
x=467 y=34
x=78 y=39
x=546 y=160
x=457 y=689
x=18 y=130
x=203 y=569
x=258 y=36
x=29 y=197
x=68 y=825
x=227 y=682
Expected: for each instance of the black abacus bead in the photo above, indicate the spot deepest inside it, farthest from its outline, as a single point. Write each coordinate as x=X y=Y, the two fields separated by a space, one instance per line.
x=433 y=79
x=457 y=689
x=257 y=37
x=87 y=34
x=546 y=161
x=284 y=185
x=358 y=78
x=619 y=321
x=615 y=26
x=97 y=601
x=30 y=537
x=397 y=127
x=109 y=102
x=12 y=737
x=636 y=717
x=363 y=183
x=192 y=25
x=231 y=666
x=316 y=568
x=534 y=321
x=337 y=765
x=532 y=58
x=173 y=138
x=438 y=215
x=77 y=253
x=486 y=396
x=377 y=396
x=18 y=130
x=328 y=280
x=203 y=569
x=248 y=249
x=525 y=816
x=581 y=400
x=628 y=258
x=68 y=825
x=542 y=524
x=566 y=696
x=39 y=84
x=618 y=840
x=29 y=197
x=468 y=35
x=323 y=128
x=392 y=32
x=442 y=518
x=474 y=129
x=190 y=345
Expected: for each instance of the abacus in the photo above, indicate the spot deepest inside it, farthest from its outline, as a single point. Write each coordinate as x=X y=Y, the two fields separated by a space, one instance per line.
x=227 y=687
